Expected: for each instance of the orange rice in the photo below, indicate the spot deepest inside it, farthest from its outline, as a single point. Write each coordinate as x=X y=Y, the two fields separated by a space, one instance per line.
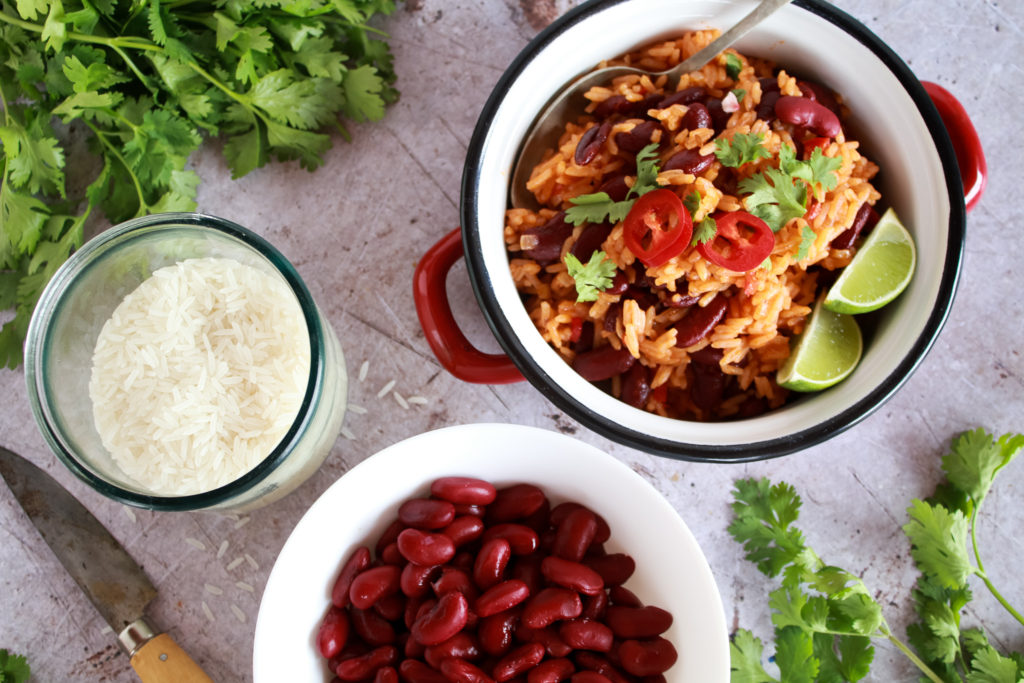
x=766 y=307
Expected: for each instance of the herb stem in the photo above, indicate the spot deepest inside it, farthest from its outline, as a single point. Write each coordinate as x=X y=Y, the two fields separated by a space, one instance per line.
x=981 y=568
x=143 y=206
x=931 y=675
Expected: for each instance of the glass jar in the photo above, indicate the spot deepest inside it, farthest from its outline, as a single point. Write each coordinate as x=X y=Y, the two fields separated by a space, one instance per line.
x=80 y=299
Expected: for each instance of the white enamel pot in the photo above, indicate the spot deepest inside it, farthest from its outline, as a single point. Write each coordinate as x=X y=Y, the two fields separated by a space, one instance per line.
x=933 y=170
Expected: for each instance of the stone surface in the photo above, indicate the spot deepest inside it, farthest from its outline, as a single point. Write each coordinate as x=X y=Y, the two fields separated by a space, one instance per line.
x=355 y=230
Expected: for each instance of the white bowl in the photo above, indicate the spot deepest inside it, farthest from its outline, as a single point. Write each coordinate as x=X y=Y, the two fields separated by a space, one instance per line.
x=671 y=571
x=892 y=115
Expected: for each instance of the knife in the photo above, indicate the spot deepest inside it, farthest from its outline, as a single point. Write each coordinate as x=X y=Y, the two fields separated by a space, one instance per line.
x=108 y=575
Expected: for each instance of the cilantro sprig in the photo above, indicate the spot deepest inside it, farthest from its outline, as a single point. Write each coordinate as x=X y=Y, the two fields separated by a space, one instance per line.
x=592 y=278
x=13 y=668
x=145 y=83
x=598 y=207
x=825 y=618
x=742 y=149
x=778 y=195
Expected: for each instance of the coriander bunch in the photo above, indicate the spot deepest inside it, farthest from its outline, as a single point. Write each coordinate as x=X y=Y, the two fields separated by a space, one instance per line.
x=825 y=618
x=145 y=81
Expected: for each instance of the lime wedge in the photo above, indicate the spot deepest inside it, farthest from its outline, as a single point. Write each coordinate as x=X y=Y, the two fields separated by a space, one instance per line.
x=878 y=272
x=825 y=353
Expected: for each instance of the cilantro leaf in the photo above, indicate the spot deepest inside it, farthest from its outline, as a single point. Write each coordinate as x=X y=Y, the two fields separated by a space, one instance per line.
x=742 y=149
x=733 y=65
x=704 y=231
x=598 y=207
x=794 y=653
x=975 y=459
x=740 y=93
x=762 y=515
x=774 y=197
x=939 y=540
x=692 y=202
x=988 y=666
x=646 y=171
x=745 y=652
x=818 y=171
x=596 y=276
x=13 y=668
x=807 y=237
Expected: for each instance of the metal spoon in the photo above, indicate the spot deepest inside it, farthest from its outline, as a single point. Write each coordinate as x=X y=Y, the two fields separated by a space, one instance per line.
x=570 y=103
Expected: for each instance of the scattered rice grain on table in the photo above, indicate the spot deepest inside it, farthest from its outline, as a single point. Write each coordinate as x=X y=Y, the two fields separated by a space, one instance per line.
x=212 y=589
x=418 y=400
x=252 y=562
x=195 y=543
x=222 y=549
x=233 y=564
x=386 y=388
x=239 y=614
x=400 y=400
x=357 y=409
x=245 y=586
x=363 y=369
x=347 y=433
x=207 y=611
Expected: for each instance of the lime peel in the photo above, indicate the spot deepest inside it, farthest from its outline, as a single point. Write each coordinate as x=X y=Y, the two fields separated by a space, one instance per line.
x=825 y=353
x=879 y=271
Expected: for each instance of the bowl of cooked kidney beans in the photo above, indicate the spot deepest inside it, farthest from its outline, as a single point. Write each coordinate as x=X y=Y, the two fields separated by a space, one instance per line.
x=707 y=394
x=491 y=553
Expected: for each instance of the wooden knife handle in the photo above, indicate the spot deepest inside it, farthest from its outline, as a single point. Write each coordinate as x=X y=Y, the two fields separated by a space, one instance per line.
x=161 y=660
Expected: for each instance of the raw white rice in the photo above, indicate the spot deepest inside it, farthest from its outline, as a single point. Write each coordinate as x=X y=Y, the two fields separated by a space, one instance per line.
x=198 y=374
x=385 y=389
x=222 y=549
x=347 y=433
x=242 y=522
x=400 y=400
x=418 y=400
x=252 y=562
x=207 y=611
x=235 y=562
x=213 y=590
x=195 y=543
x=245 y=586
x=363 y=369
x=238 y=613
x=356 y=409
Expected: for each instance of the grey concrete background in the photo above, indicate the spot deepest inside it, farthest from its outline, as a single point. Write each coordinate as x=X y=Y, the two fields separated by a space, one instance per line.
x=355 y=230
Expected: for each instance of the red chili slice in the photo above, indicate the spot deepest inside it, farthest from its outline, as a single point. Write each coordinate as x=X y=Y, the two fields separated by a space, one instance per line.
x=742 y=242
x=819 y=142
x=658 y=227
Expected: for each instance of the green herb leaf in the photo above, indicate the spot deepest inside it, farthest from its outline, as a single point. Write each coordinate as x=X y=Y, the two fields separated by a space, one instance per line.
x=794 y=653
x=733 y=65
x=988 y=666
x=939 y=539
x=774 y=197
x=807 y=237
x=740 y=93
x=13 y=668
x=692 y=202
x=742 y=149
x=598 y=207
x=762 y=515
x=646 y=171
x=745 y=652
x=976 y=458
x=592 y=278
x=704 y=231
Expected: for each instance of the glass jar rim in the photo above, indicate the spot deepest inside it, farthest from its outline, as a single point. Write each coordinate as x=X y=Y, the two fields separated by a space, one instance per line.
x=54 y=293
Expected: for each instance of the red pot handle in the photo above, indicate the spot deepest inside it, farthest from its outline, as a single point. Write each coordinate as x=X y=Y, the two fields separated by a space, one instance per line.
x=453 y=350
x=969 y=155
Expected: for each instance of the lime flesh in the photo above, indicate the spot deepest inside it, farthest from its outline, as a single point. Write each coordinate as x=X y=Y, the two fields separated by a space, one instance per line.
x=825 y=353
x=878 y=272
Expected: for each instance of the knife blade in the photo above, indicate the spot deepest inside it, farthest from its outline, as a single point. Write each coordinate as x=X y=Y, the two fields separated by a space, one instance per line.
x=106 y=573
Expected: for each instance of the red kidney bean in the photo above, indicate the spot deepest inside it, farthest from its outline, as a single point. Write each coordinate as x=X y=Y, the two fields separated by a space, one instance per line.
x=862 y=223
x=708 y=386
x=574 y=535
x=543 y=243
x=474 y=510
x=591 y=142
x=689 y=161
x=594 y=606
x=333 y=632
x=391 y=555
x=442 y=621
x=619 y=283
x=357 y=562
x=547 y=636
x=551 y=671
x=371 y=627
x=590 y=240
x=387 y=674
x=586 y=634
x=591 y=661
x=696 y=116
x=611 y=318
x=615 y=187
x=463 y=560
x=679 y=300
x=562 y=510
x=612 y=105
x=707 y=356
x=620 y=595
x=719 y=117
x=364 y=666
x=637 y=622
x=501 y=597
x=389 y=536
x=551 y=605
x=589 y=677
x=644 y=298
x=518 y=661
x=496 y=632
x=603 y=363
x=460 y=670
x=391 y=607
x=426 y=514
x=490 y=562
x=413 y=649
x=690 y=95
x=423 y=548
x=464 y=490
x=373 y=584
x=585 y=342
x=699 y=322
x=636 y=139
x=461 y=645
x=572 y=575
x=454 y=579
x=415 y=671
x=766 y=107
x=614 y=568
x=513 y=503
x=527 y=569
x=464 y=529
x=647 y=657
x=522 y=539
x=656 y=678
x=820 y=94
x=618 y=104
x=800 y=111
x=636 y=386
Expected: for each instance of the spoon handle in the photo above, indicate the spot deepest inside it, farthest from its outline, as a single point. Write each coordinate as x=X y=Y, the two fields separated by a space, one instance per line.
x=702 y=57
